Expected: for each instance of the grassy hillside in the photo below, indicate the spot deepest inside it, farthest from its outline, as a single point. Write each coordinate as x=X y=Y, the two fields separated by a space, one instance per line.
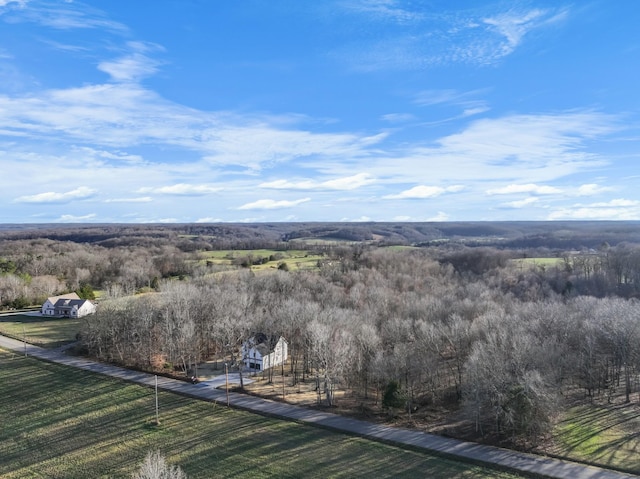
x=62 y=422
x=39 y=330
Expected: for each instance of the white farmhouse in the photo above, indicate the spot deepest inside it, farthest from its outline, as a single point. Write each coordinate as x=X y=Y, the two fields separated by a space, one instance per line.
x=258 y=355
x=68 y=305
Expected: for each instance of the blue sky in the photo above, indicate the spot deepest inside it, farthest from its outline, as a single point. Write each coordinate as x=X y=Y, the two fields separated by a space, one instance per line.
x=339 y=110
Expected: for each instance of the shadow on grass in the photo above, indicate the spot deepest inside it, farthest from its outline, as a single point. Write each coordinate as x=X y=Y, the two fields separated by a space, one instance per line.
x=62 y=422
x=604 y=434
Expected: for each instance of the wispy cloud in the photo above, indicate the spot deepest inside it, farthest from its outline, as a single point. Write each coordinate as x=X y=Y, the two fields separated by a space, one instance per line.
x=384 y=10
x=130 y=68
x=423 y=192
x=64 y=16
x=134 y=65
x=514 y=25
x=18 y=3
x=141 y=199
x=52 y=197
x=125 y=115
x=268 y=204
x=467 y=102
x=592 y=189
x=511 y=150
x=521 y=203
x=182 y=189
x=481 y=36
x=526 y=188
x=345 y=183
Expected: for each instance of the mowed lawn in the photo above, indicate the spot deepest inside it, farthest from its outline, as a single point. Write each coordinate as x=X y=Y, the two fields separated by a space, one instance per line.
x=40 y=330
x=606 y=434
x=59 y=422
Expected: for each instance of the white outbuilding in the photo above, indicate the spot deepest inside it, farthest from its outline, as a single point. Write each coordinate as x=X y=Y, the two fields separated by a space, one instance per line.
x=258 y=354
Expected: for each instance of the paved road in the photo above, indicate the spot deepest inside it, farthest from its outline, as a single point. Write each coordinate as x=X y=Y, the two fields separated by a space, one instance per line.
x=527 y=463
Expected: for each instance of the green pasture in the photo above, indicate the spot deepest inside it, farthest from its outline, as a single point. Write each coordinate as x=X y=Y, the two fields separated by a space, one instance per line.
x=534 y=262
x=603 y=434
x=40 y=330
x=295 y=259
x=60 y=422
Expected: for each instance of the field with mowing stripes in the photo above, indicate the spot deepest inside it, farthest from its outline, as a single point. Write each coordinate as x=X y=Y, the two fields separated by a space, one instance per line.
x=40 y=330
x=59 y=422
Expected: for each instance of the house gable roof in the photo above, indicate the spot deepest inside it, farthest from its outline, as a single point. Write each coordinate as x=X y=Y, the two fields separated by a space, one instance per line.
x=55 y=299
x=70 y=303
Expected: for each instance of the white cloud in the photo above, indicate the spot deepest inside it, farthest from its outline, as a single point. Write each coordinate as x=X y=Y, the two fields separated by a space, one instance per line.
x=109 y=155
x=616 y=209
x=209 y=219
x=520 y=149
x=362 y=219
x=592 y=189
x=123 y=115
x=521 y=203
x=182 y=189
x=423 y=192
x=134 y=65
x=75 y=219
x=616 y=202
x=345 y=183
x=268 y=204
x=526 y=188
x=52 y=197
x=441 y=216
x=474 y=111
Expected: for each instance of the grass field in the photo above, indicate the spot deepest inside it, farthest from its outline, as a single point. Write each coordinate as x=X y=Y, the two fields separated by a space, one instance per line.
x=59 y=422
x=295 y=259
x=537 y=262
x=39 y=330
x=607 y=434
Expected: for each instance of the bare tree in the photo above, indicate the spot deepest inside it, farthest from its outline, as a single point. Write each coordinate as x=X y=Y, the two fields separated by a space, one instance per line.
x=155 y=466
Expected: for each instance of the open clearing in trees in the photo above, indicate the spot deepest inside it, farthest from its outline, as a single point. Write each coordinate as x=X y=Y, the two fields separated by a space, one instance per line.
x=63 y=422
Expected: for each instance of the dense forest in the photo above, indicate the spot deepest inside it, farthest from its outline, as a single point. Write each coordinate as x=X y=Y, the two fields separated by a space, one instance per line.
x=500 y=331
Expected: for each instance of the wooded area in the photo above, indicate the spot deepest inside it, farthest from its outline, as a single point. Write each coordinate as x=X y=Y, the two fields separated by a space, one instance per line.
x=481 y=329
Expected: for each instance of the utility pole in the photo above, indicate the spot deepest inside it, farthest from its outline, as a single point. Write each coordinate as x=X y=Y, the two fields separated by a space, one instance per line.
x=157 y=416
x=226 y=381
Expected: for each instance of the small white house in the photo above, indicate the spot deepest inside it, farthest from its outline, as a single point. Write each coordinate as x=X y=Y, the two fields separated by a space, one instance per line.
x=258 y=355
x=68 y=306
